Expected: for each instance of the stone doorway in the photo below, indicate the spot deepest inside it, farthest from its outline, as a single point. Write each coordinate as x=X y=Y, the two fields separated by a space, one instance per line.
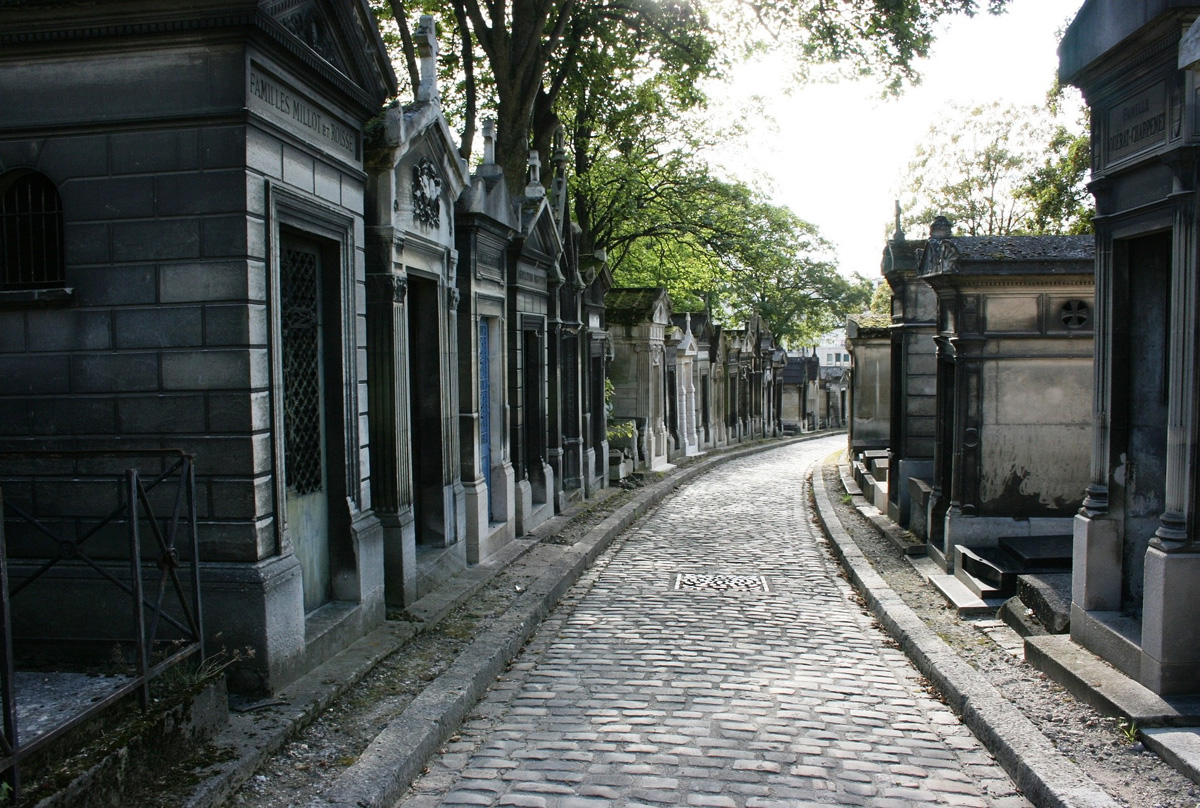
x=310 y=329
x=533 y=404
x=425 y=384
x=1142 y=304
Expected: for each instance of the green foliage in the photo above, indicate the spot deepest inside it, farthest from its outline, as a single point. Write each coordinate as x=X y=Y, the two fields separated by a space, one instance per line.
x=881 y=300
x=524 y=51
x=617 y=430
x=1002 y=170
x=970 y=170
x=618 y=76
x=1056 y=190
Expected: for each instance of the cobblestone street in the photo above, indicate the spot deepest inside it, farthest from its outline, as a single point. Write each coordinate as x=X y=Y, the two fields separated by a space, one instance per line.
x=714 y=657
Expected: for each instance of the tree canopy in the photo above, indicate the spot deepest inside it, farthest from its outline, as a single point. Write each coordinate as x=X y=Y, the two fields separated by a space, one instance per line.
x=617 y=75
x=1001 y=170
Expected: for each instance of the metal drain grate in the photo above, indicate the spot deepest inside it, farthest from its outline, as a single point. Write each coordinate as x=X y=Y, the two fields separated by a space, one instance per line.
x=721 y=583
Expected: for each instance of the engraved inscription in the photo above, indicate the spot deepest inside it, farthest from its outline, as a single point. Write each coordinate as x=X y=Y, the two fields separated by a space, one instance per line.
x=282 y=104
x=531 y=279
x=1137 y=124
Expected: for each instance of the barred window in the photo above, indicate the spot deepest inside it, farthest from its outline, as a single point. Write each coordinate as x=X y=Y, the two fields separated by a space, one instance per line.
x=31 y=232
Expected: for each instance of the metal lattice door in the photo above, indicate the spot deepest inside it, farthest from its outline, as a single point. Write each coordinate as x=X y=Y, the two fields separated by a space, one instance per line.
x=485 y=410
x=304 y=417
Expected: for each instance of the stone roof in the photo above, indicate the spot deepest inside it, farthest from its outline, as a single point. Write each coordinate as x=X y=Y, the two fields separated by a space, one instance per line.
x=633 y=305
x=1009 y=255
x=868 y=324
x=793 y=371
x=902 y=255
x=1102 y=25
x=1024 y=248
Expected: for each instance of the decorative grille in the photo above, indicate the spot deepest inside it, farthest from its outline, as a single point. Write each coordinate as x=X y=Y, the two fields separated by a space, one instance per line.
x=1074 y=314
x=720 y=582
x=301 y=327
x=31 y=240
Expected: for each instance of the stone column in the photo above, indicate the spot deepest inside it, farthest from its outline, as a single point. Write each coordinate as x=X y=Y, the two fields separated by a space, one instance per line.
x=1170 y=597
x=1097 y=558
x=391 y=470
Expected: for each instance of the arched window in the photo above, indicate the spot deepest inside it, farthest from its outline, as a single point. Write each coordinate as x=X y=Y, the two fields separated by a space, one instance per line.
x=31 y=232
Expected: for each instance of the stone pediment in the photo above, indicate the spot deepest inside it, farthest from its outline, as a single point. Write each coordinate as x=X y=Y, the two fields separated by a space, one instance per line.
x=542 y=242
x=340 y=34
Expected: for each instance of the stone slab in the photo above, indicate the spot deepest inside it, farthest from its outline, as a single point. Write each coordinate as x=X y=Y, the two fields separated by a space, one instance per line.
x=905 y=541
x=1092 y=680
x=960 y=596
x=1179 y=747
x=1049 y=596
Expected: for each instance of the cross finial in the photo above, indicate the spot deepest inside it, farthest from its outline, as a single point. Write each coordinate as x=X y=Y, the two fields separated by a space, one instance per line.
x=560 y=149
x=427 y=47
x=534 y=189
x=489 y=141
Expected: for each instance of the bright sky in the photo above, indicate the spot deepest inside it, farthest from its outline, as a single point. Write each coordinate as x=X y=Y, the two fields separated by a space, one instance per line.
x=835 y=154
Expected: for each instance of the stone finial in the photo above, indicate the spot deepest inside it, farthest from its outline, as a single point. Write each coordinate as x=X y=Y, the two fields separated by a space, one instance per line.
x=393 y=127
x=941 y=228
x=560 y=147
x=559 y=180
x=898 y=235
x=489 y=141
x=427 y=48
x=535 y=190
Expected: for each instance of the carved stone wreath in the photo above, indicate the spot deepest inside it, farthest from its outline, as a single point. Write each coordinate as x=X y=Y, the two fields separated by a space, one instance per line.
x=426 y=194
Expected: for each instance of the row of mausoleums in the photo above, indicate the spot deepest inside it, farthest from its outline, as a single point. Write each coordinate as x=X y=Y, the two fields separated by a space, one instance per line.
x=683 y=385
x=386 y=366
x=1033 y=403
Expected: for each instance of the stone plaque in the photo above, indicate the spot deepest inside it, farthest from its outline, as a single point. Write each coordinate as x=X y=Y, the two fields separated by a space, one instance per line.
x=529 y=277
x=1137 y=123
x=488 y=264
x=276 y=101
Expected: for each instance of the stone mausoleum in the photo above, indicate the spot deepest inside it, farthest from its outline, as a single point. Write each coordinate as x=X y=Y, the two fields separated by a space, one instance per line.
x=199 y=282
x=1014 y=368
x=1136 y=598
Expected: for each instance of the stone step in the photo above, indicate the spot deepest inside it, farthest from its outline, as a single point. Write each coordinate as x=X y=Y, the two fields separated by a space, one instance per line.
x=1039 y=553
x=963 y=599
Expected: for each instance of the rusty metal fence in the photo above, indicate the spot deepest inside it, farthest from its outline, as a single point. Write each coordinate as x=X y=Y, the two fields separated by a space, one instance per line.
x=157 y=607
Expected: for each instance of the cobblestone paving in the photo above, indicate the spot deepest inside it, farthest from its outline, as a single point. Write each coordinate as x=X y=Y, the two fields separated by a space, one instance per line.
x=637 y=693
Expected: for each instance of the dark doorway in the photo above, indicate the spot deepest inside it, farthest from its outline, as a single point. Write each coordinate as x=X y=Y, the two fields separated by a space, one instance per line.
x=599 y=414
x=425 y=384
x=533 y=403
x=944 y=453
x=1141 y=352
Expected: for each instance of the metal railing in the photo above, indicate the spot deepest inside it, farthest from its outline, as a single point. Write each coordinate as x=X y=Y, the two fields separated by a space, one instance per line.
x=150 y=616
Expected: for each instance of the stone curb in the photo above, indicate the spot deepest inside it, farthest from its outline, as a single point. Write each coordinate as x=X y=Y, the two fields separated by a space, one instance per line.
x=1046 y=777
x=390 y=763
x=251 y=738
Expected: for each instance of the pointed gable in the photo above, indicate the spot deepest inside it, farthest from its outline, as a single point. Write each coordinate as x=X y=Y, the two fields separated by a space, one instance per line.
x=340 y=39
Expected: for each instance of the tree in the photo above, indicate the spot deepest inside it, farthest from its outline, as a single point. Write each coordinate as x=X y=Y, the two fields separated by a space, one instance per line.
x=1057 y=190
x=970 y=169
x=528 y=46
x=1001 y=170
